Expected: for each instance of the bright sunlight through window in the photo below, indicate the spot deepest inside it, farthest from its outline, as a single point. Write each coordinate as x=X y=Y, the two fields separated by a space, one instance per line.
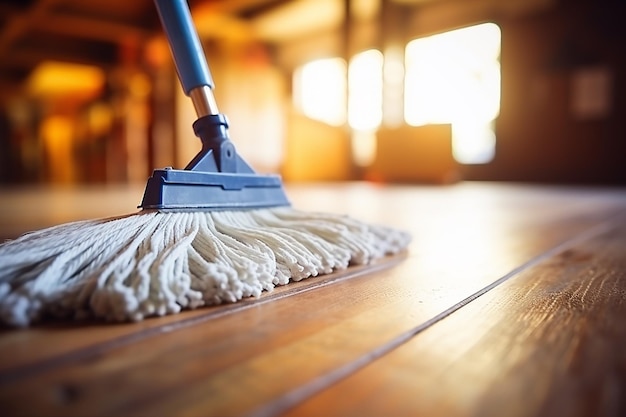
x=320 y=90
x=365 y=103
x=365 y=90
x=454 y=77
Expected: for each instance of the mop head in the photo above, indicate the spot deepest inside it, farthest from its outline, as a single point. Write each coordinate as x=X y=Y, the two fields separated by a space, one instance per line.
x=156 y=263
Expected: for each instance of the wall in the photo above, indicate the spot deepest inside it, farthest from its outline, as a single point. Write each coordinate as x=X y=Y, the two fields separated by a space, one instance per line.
x=546 y=45
x=539 y=136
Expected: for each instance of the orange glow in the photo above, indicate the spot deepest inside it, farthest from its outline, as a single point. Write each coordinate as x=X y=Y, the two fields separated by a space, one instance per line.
x=99 y=119
x=157 y=52
x=57 y=133
x=52 y=78
x=299 y=18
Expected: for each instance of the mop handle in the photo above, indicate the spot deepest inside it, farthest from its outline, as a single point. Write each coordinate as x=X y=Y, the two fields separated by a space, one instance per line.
x=189 y=58
x=193 y=70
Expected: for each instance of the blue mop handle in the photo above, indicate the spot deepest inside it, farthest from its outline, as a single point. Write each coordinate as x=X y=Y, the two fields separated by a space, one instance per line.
x=189 y=58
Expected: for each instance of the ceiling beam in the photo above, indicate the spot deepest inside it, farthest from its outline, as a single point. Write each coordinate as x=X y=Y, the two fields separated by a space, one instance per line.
x=23 y=22
x=92 y=28
x=77 y=52
x=241 y=6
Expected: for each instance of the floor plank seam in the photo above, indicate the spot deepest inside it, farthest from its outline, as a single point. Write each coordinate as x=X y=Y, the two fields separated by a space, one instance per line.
x=282 y=404
x=28 y=370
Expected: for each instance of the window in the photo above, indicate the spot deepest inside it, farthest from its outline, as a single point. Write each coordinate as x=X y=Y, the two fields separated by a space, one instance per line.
x=454 y=77
x=365 y=90
x=320 y=90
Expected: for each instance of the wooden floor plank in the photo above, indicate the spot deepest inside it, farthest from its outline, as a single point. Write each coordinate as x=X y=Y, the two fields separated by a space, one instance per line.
x=236 y=363
x=467 y=220
x=69 y=341
x=549 y=342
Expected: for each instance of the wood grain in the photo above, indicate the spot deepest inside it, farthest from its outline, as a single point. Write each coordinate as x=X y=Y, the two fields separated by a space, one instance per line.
x=477 y=226
x=251 y=359
x=549 y=342
x=67 y=341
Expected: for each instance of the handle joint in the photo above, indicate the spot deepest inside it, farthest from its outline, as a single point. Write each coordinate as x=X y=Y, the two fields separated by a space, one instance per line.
x=203 y=101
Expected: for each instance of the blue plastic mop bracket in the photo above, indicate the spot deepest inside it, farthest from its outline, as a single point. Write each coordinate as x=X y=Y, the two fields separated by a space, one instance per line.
x=217 y=178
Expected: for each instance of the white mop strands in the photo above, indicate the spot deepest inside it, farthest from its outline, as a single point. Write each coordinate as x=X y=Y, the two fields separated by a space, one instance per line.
x=154 y=263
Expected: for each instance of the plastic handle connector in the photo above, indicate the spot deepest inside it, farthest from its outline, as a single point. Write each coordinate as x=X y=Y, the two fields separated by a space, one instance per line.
x=189 y=57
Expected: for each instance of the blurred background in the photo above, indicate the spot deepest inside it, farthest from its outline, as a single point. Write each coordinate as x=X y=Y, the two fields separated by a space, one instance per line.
x=424 y=91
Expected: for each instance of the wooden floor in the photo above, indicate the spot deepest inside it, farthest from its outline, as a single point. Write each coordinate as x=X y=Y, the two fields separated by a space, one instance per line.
x=511 y=301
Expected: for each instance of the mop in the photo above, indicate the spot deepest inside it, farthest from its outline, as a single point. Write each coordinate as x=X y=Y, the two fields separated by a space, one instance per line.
x=211 y=233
